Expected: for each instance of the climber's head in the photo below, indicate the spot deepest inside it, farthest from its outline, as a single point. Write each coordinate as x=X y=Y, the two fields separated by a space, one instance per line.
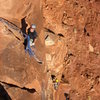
x=57 y=80
x=32 y=28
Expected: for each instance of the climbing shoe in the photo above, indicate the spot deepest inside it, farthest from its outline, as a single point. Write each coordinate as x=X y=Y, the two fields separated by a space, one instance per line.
x=40 y=62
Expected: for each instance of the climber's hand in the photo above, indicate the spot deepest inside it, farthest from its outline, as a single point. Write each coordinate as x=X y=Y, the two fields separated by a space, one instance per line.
x=33 y=44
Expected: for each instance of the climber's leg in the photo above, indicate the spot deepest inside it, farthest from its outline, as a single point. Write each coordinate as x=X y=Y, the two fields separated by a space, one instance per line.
x=28 y=48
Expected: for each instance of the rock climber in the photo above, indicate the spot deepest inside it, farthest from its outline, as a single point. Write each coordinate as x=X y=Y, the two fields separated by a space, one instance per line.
x=31 y=38
x=32 y=35
x=56 y=83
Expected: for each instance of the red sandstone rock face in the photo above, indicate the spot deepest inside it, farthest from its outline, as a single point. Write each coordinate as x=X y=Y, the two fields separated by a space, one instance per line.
x=20 y=75
x=14 y=11
x=72 y=29
x=79 y=22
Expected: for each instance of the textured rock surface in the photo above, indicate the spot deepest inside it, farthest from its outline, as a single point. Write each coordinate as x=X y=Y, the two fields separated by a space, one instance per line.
x=17 y=68
x=20 y=75
x=72 y=28
x=14 y=11
x=79 y=22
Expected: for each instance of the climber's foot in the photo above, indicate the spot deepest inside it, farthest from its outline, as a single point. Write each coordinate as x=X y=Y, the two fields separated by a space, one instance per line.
x=40 y=62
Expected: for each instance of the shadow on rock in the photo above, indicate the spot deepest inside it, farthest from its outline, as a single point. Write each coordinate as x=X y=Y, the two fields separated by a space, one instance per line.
x=3 y=94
